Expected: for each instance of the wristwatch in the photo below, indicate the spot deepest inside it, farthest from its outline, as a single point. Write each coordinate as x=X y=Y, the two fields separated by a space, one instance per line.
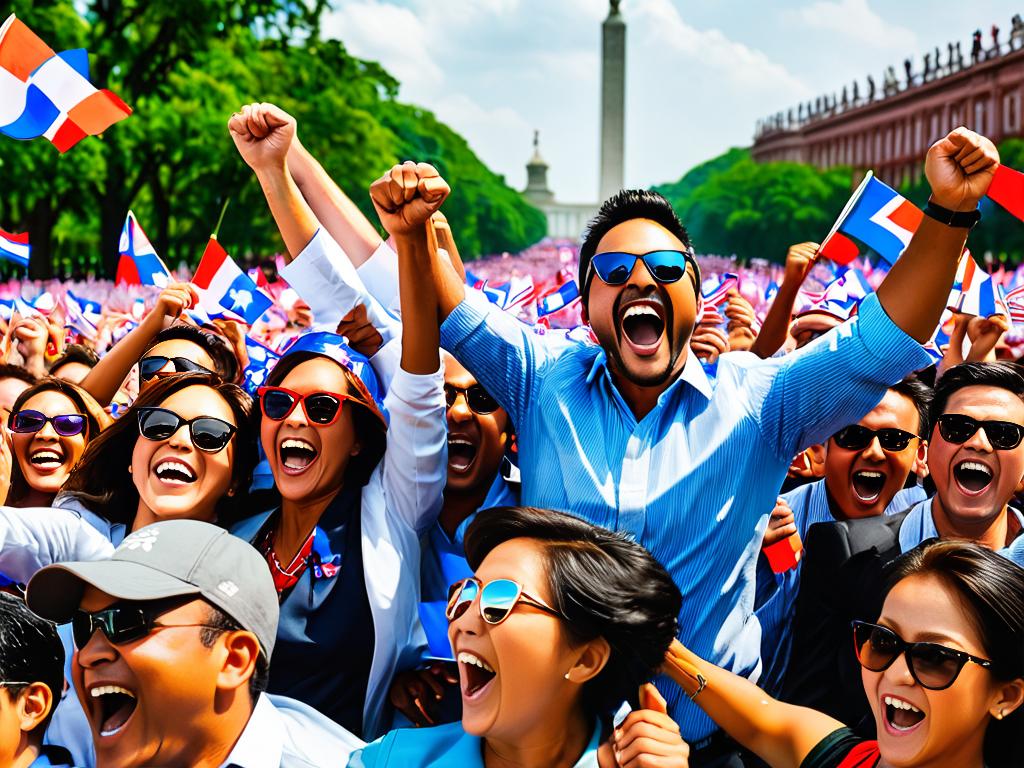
x=958 y=219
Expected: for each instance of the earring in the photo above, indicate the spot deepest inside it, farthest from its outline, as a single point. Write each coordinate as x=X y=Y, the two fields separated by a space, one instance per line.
x=999 y=715
x=566 y=675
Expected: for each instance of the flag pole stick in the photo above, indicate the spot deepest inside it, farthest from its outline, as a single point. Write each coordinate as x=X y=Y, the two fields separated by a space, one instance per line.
x=223 y=210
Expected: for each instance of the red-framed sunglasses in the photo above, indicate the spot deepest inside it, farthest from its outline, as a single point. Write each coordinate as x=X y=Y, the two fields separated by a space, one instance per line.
x=321 y=408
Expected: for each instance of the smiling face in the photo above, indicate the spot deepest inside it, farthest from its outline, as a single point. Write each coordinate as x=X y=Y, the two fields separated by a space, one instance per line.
x=46 y=458
x=512 y=674
x=974 y=481
x=141 y=708
x=862 y=483
x=308 y=460
x=917 y=726
x=176 y=348
x=173 y=477
x=644 y=326
x=476 y=442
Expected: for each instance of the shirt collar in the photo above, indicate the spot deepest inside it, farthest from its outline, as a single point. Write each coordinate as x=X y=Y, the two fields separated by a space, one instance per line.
x=693 y=373
x=262 y=741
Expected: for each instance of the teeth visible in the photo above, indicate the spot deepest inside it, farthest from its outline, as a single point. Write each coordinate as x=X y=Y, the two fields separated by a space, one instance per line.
x=174 y=466
x=46 y=456
x=103 y=690
x=469 y=658
x=869 y=474
x=301 y=444
x=977 y=467
x=459 y=441
x=900 y=704
x=641 y=309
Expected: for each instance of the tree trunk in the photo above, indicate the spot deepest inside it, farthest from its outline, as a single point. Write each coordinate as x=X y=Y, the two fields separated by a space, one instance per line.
x=113 y=209
x=41 y=221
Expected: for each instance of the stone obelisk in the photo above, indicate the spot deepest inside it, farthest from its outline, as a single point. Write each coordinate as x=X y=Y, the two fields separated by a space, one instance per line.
x=613 y=101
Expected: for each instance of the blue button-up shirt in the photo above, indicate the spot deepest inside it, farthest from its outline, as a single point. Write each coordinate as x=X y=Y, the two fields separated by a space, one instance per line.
x=695 y=480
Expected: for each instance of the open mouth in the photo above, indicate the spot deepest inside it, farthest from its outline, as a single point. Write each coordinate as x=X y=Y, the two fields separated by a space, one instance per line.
x=643 y=325
x=973 y=477
x=461 y=454
x=46 y=458
x=868 y=484
x=175 y=472
x=901 y=716
x=297 y=455
x=113 y=706
x=475 y=673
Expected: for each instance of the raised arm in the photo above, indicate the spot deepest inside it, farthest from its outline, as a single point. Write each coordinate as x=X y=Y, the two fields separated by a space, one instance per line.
x=959 y=169
x=772 y=336
x=780 y=734
x=106 y=377
x=34 y=537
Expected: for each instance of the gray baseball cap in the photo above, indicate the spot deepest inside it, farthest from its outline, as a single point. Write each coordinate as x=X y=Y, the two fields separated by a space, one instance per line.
x=170 y=559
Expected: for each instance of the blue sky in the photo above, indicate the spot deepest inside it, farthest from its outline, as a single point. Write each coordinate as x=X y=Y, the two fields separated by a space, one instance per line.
x=699 y=74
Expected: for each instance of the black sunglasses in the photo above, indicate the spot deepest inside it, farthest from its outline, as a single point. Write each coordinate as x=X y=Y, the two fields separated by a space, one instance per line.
x=933 y=666
x=957 y=428
x=477 y=398
x=151 y=366
x=125 y=623
x=615 y=267
x=857 y=438
x=208 y=433
x=65 y=425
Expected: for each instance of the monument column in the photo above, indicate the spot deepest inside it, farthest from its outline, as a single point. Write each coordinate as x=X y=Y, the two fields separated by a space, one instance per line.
x=613 y=102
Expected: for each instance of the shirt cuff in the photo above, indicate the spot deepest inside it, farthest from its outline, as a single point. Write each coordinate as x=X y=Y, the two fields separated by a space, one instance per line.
x=885 y=340
x=464 y=319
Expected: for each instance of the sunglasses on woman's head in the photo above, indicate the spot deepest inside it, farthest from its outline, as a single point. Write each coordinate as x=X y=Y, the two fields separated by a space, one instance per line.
x=124 y=623
x=321 y=408
x=615 y=267
x=958 y=428
x=497 y=599
x=477 y=398
x=857 y=438
x=65 y=425
x=933 y=666
x=208 y=433
x=152 y=365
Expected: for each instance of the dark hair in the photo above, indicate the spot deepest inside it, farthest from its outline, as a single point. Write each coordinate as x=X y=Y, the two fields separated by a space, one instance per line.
x=30 y=651
x=369 y=429
x=101 y=480
x=220 y=623
x=223 y=357
x=1008 y=376
x=603 y=583
x=920 y=394
x=75 y=353
x=627 y=205
x=96 y=421
x=991 y=590
x=9 y=371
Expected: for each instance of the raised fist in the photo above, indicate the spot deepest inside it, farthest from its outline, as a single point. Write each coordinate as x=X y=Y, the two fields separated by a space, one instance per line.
x=407 y=196
x=263 y=134
x=799 y=260
x=175 y=299
x=960 y=168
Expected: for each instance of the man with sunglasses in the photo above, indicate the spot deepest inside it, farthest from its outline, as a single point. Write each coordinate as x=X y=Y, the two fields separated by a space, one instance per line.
x=633 y=435
x=174 y=635
x=976 y=462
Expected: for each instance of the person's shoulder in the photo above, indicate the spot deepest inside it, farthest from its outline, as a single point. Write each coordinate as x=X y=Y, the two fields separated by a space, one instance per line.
x=442 y=745
x=309 y=736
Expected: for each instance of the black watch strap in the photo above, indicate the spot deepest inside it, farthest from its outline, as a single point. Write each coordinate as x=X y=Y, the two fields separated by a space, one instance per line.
x=958 y=219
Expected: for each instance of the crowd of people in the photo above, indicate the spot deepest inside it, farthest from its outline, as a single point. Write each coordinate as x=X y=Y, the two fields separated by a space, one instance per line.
x=400 y=523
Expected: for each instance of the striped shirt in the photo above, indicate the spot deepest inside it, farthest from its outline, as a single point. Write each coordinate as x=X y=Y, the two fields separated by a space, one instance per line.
x=695 y=480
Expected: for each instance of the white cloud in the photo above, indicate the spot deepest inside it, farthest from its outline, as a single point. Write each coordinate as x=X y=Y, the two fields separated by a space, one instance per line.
x=855 y=20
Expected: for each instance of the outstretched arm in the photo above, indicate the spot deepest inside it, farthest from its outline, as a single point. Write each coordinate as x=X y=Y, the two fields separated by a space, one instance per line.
x=780 y=734
x=773 y=332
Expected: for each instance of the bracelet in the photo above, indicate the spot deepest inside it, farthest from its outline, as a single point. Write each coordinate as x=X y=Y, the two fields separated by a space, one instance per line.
x=958 y=219
x=702 y=683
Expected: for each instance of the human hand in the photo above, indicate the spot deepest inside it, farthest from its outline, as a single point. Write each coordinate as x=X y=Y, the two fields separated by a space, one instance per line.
x=708 y=342
x=262 y=134
x=739 y=311
x=985 y=333
x=362 y=336
x=29 y=336
x=415 y=693
x=781 y=524
x=174 y=300
x=799 y=260
x=960 y=168
x=647 y=738
x=407 y=196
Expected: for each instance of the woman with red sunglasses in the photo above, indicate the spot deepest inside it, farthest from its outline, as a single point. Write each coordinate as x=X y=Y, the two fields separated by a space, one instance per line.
x=943 y=670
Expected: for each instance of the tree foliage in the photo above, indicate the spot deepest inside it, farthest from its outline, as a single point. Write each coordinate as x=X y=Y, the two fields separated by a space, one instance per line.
x=184 y=67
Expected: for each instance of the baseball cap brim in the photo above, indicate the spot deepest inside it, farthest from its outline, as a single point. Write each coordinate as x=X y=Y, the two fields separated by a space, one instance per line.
x=55 y=592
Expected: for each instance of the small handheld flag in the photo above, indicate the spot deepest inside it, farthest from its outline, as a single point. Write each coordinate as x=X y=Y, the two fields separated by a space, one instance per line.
x=15 y=248
x=1007 y=189
x=561 y=297
x=784 y=555
x=223 y=285
x=139 y=264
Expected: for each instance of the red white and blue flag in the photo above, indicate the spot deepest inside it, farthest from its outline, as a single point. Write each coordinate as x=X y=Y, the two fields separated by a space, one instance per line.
x=561 y=297
x=15 y=248
x=43 y=93
x=262 y=360
x=717 y=295
x=82 y=315
x=1015 y=304
x=139 y=264
x=879 y=217
x=224 y=286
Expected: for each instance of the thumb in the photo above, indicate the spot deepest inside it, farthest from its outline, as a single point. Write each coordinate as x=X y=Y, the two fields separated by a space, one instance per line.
x=606 y=756
x=651 y=698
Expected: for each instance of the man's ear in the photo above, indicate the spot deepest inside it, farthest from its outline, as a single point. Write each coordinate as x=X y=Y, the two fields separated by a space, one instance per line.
x=920 y=467
x=241 y=649
x=33 y=705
